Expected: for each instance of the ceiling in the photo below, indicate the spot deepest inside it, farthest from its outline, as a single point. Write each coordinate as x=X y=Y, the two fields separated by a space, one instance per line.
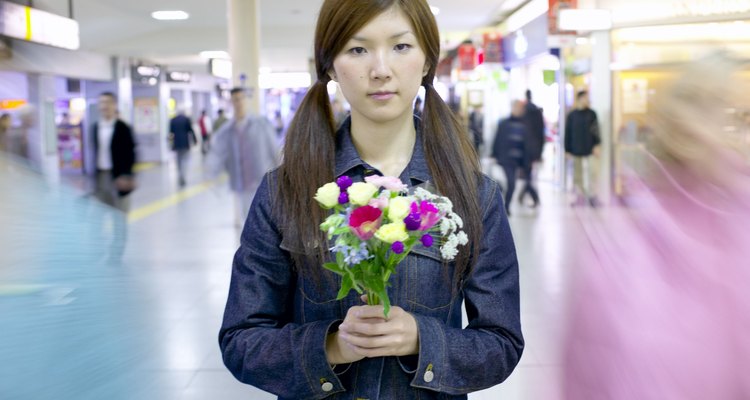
x=126 y=28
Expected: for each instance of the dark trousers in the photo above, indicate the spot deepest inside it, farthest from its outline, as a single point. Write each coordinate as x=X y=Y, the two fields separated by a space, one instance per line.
x=511 y=173
x=528 y=186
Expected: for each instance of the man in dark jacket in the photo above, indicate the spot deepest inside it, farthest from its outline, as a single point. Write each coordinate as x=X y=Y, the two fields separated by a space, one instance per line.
x=182 y=136
x=534 y=145
x=581 y=141
x=114 y=150
x=509 y=148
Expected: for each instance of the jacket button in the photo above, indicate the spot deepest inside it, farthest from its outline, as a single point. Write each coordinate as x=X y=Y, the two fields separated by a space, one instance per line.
x=429 y=376
x=327 y=387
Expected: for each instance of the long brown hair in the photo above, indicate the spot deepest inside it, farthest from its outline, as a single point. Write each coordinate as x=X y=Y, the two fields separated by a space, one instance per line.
x=309 y=152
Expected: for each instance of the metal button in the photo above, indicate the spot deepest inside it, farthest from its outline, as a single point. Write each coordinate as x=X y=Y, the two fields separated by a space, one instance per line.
x=327 y=387
x=429 y=376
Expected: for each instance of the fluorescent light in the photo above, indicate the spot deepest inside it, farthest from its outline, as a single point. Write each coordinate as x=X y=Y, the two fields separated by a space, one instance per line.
x=435 y=10
x=170 y=15
x=584 y=20
x=215 y=54
x=528 y=13
x=285 y=80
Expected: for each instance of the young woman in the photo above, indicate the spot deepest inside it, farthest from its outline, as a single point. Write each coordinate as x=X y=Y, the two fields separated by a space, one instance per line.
x=284 y=331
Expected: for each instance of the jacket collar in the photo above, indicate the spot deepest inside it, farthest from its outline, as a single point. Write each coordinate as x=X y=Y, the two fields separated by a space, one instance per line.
x=348 y=159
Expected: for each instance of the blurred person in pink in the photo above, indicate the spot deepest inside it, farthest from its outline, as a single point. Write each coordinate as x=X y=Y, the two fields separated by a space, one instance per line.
x=661 y=309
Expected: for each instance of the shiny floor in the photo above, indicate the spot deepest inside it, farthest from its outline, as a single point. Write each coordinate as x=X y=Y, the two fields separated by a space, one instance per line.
x=152 y=320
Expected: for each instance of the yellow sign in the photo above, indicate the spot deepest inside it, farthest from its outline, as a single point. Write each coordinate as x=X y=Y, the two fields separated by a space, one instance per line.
x=11 y=104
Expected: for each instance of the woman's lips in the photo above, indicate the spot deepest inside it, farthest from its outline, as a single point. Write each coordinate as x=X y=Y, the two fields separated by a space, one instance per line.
x=382 y=96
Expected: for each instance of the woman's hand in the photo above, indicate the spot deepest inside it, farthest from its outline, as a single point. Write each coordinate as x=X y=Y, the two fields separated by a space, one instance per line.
x=366 y=333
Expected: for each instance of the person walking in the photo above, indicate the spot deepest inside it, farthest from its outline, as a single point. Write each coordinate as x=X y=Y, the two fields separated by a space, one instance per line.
x=246 y=147
x=534 y=119
x=182 y=138
x=220 y=120
x=509 y=148
x=476 y=126
x=114 y=149
x=204 y=124
x=581 y=142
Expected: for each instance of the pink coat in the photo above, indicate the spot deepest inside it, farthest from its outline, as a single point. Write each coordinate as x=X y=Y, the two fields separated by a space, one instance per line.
x=662 y=309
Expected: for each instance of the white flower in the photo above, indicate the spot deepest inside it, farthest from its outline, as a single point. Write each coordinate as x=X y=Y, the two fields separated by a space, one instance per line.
x=361 y=193
x=449 y=250
x=399 y=208
x=462 y=238
x=328 y=195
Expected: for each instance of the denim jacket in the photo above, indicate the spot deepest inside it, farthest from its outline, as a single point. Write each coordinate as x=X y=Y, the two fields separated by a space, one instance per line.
x=277 y=319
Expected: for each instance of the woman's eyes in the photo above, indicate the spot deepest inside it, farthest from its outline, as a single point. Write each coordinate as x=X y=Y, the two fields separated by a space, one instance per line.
x=401 y=47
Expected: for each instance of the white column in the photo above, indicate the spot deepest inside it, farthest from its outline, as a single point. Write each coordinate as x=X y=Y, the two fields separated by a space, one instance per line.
x=601 y=102
x=562 y=163
x=124 y=81
x=41 y=127
x=244 y=47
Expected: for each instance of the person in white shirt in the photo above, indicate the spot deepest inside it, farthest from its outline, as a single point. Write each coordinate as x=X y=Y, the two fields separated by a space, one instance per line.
x=114 y=147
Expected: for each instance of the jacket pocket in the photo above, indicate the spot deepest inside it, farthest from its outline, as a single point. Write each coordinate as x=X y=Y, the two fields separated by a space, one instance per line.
x=430 y=280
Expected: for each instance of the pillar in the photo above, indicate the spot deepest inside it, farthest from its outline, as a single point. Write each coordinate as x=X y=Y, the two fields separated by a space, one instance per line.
x=601 y=102
x=244 y=48
x=40 y=126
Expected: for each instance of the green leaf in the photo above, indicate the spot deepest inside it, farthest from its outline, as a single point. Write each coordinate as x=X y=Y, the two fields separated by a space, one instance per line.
x=385 y=300
x=346 y=287
x=334 y=267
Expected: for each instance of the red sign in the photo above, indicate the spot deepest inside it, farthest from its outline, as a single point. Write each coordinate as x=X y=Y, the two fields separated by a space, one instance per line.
x=554 y=13
x=467 y=57
x=493 y=48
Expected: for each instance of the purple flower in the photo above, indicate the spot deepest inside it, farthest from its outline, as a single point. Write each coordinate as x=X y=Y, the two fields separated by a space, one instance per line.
x=397 y=247
x=413 y=221
x=343 y=198
x=427 y=240
x=344 y=182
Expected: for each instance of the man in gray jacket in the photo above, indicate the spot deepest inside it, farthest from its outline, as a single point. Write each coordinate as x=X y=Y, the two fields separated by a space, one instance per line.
x=246 y=148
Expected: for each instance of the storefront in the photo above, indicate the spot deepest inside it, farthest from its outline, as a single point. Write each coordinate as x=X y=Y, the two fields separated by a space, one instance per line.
x=647 y=59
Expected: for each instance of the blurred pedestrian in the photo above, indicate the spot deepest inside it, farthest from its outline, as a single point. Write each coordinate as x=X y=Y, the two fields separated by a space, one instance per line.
x=204 y=124
x=182 y=138
x=220 y=120
x=114 y=148
x=509 y=148
x=5 y=122
x=245 y=147
x=476 y=126
x=418 y=107
x=662 y=309
x=534 y=119
x=581 y=142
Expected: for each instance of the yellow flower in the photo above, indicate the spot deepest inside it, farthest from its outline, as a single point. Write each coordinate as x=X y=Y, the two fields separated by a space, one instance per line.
x=393 y=232
x=399 y=208
x=328 y=195
x=361 y=193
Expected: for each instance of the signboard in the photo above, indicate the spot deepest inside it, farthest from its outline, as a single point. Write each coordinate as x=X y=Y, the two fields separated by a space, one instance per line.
x=146 y=115
x=526 y=43
x=179 y=76
x=554 y=15
x=220 y=68
x=146 y=74
x=493 y=48
x=30 y=24
x=467 y=57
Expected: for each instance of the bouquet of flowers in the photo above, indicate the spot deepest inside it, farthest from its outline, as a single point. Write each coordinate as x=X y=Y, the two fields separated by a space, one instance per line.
x=375 y=224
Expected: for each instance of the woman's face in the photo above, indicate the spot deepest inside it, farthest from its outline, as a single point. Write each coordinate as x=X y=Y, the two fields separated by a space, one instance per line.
x=381 y=68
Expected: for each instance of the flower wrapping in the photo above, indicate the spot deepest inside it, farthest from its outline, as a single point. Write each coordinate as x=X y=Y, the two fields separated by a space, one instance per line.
x=375 y=224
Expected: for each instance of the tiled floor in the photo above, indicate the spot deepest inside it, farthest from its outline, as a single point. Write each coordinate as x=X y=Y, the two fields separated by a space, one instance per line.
x=164 y=302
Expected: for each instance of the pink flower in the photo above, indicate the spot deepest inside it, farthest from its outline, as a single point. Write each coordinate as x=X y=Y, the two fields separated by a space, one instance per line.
x=428 y=213
x=388 y=182
x=365 y=221
x=380 y=202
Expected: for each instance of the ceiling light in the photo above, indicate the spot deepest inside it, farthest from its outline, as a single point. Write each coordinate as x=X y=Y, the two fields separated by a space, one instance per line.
x=435 y=10
x=215 y=54
x=170 y=15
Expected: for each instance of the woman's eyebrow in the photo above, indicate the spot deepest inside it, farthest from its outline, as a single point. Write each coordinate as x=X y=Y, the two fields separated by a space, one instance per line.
x=364 y=39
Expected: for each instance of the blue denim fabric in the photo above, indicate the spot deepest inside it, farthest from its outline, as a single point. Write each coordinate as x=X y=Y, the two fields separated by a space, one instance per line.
x=276 y=319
